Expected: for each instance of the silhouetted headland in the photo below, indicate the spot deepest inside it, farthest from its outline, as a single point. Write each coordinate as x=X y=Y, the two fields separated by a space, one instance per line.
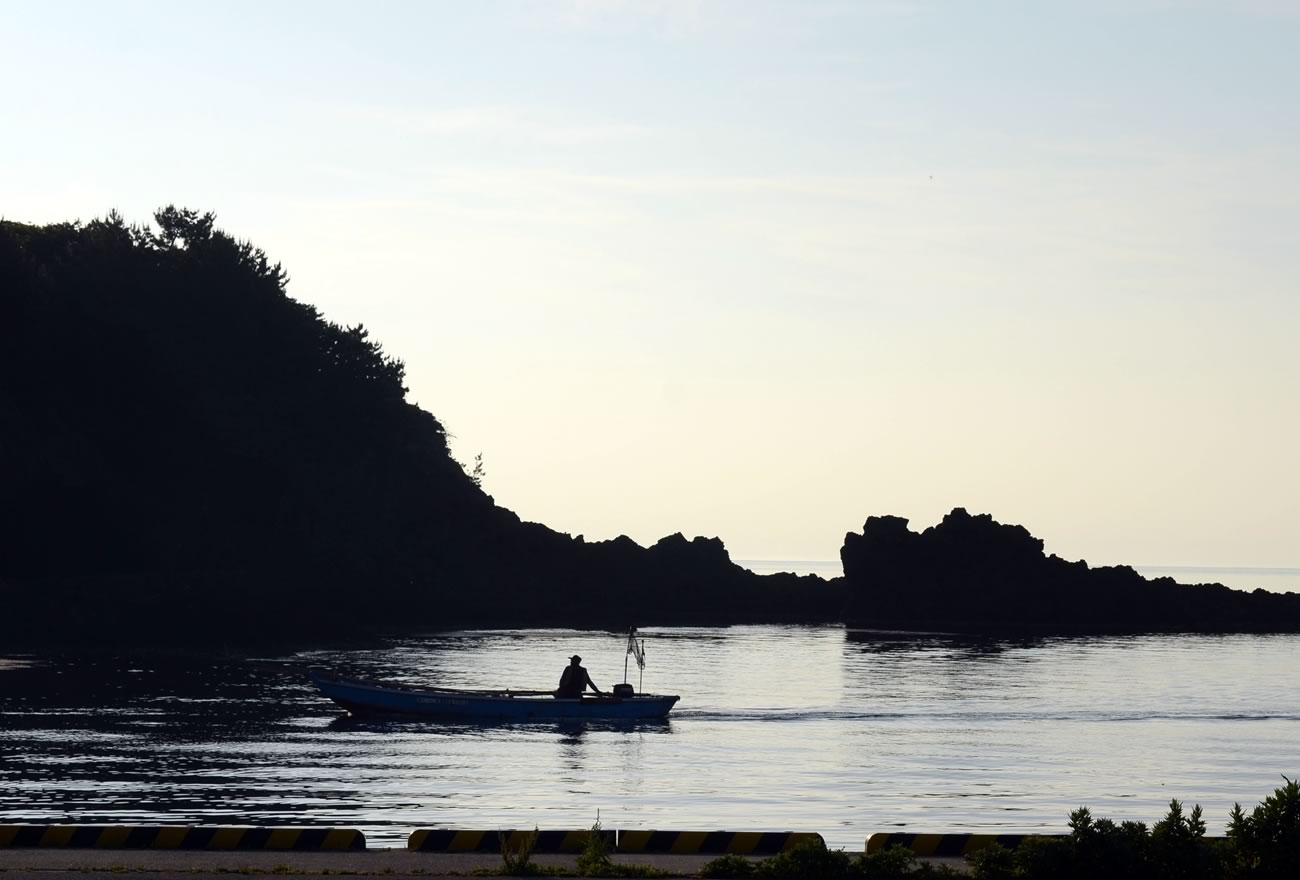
x=973 y=574
x=188 y=454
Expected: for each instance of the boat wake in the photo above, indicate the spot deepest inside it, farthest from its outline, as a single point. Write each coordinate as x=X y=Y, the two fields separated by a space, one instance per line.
x=766 y=715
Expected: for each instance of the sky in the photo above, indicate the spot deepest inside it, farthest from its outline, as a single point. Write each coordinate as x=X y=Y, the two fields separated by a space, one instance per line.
x=748 y=269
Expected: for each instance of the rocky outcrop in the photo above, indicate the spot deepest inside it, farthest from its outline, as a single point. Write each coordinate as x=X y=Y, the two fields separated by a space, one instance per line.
x=973 y=574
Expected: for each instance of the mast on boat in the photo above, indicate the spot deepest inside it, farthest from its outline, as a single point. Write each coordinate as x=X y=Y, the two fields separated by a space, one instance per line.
x=635 y=648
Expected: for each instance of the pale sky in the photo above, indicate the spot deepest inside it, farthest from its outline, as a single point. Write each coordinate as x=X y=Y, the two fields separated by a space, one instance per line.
x=746 y=269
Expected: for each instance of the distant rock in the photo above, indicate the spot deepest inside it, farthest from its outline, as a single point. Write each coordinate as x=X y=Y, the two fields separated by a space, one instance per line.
x=974 y=574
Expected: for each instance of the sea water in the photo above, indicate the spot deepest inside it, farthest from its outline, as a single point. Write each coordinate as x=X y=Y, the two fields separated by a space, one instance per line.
x=779 y=728
x=1273 y=580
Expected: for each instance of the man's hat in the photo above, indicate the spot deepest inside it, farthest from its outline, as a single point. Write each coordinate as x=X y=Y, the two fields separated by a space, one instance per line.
x=576 y=658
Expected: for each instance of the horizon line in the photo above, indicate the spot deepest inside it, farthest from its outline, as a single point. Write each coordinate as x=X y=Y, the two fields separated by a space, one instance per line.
x=1220 y=569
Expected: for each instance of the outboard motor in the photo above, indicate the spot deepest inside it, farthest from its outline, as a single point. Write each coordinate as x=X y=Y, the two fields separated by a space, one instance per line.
x=623 y=691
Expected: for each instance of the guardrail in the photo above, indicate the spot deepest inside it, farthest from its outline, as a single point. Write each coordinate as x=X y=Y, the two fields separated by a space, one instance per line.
x=191 y=837
x=572 y=841
x=953 y=845
x=453 y=840
x=712 y=842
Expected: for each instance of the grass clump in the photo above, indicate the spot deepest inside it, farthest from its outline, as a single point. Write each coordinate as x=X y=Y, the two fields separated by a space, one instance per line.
x=886 y=864
x=811 y=860
x=533 y=870
x=807 y=860
x=516 y=861
x=594 y=861
x=730 y=865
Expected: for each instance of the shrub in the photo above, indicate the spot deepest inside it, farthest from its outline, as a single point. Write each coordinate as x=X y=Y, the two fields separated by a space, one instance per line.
x=1266 y=843
x=994 y=862
x=730 y=865
x=1178 y=848
x=1116 y=851
x=886 y=864
x=807 y=860
x=929 y=870
x=1045 y=857
x=594 y=860
x=515 y=861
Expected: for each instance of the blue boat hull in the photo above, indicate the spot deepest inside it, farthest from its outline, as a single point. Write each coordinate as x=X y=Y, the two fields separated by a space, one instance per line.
x=364 y=698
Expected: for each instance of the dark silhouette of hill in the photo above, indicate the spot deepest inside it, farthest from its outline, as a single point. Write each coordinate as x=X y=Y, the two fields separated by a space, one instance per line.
x=972 y=574
x=187 y=452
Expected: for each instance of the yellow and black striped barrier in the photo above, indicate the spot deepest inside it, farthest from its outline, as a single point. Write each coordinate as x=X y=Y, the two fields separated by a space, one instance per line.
x=453 y=840
x=711 y=842
x=953 y=845
x=207 y=837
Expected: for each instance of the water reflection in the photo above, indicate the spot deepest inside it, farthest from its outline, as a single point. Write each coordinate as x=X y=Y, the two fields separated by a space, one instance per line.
x=572 y=754
x=800 y=728
x=565 y=728
x=957 y=646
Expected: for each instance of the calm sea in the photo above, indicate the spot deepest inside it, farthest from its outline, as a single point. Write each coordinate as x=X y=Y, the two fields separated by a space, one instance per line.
x=779 y=728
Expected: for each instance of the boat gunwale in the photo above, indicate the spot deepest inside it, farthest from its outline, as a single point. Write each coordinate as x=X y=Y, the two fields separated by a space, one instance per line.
x=498 y=695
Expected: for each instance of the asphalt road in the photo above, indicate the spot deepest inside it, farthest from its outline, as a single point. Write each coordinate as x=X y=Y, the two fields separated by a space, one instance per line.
x=53 y=864
x=391 y=864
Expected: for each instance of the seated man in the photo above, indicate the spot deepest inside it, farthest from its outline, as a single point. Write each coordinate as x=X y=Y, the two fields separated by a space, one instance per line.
x=575 y=680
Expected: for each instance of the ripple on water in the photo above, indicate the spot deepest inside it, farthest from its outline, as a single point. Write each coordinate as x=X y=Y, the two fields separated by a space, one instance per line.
x=801 y=728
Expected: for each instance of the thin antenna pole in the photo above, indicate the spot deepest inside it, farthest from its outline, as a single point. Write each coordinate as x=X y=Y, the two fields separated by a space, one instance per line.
x=628 y=650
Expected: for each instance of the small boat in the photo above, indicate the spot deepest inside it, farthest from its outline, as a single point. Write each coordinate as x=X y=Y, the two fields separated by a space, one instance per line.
x=369 y=698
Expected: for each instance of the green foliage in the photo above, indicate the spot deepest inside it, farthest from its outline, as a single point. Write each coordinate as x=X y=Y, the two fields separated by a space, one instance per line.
x=1261 y=845
x=1266 y=843
x=1045 y=857
x=594 y=859
x=516 y=860
x=807 y=860
x=730 y=865
x=886 y=864
x=1117 y=850
x=929 y=871
x=1178 y=849
x=532 y=870
x=994 y=862
x=811 y=860
x=620 y=870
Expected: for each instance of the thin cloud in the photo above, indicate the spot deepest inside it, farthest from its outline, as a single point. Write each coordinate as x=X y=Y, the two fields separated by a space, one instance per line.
x=697 y=17
x=1259 y=8
x=524 y=124
x=498 y=121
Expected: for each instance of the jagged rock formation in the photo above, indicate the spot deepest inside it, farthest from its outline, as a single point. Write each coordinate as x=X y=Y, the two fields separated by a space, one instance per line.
x=972 y=574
